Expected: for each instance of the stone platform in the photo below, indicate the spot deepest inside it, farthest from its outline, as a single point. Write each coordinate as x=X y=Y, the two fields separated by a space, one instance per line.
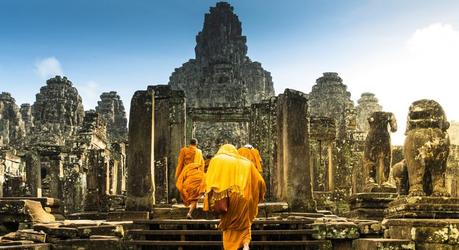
x=370 y=206
x=431 y=222
x=427 y=233
x=424 y=207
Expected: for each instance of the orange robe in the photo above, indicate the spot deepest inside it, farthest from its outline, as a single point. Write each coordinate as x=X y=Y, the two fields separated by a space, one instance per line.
x=190 y=154
x=253 y=155
x=191 y=183
x=231 y=175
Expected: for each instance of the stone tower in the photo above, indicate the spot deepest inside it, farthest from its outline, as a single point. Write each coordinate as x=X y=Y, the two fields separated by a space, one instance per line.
x=221 y=76
x=12 y=128
x=330 y=98
x=27 y=117
x=58 y=111
x=112 y=110
x=367 y=104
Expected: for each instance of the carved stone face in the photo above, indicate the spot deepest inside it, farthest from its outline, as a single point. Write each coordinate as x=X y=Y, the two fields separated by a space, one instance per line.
x=426 y=114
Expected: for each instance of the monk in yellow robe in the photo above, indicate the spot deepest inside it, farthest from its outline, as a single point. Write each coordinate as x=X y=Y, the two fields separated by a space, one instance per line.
x=251 y=153
x=190 y=175
x=231 y=175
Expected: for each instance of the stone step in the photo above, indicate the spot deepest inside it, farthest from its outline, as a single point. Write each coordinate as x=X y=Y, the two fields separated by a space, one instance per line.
x=313 y=244
x=217 y=232
x=38 y=246
x=382 y=244
x=258 y=221
x=45 y=201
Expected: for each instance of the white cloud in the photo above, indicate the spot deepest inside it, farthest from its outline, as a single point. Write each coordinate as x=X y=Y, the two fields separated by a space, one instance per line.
x=48 y=67
x=425 y=66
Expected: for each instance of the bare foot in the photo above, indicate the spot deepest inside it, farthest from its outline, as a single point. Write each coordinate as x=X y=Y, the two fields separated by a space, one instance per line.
x=188 y=216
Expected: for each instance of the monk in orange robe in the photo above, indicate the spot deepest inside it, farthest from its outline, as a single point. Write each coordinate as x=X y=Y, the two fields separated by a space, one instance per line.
x=251 y=153
x=191 y=185
x=232 y=176
x=190 y=175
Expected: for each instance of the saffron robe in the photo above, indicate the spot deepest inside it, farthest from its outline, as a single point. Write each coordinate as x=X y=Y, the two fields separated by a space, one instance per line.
x=253 y=155
x=191 y=183
x=231 y=175
x=190 y=154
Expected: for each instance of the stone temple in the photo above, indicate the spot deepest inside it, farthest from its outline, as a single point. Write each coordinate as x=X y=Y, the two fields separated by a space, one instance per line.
x=72 y=178
x=221 y=76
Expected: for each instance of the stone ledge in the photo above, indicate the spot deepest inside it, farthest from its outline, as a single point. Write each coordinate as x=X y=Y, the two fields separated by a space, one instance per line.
x=423 y=207
x=382 y=244
x=441 y=231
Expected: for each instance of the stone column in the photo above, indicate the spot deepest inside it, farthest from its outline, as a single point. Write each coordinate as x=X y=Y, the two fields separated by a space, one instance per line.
x=162 y=142
x=96 y=181
x=177 y=119
x=331 y=174
x=263 y=136
x=33 y=174
x=140 y=162
x=293 y=158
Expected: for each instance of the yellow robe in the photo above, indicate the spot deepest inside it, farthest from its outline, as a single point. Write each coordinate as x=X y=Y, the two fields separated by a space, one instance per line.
x=190 y=154
x=231 y=175
x=253 y=155
x=191 y=183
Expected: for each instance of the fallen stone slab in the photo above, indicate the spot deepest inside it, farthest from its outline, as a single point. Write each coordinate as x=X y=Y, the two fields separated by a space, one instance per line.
x=58 y=232
x=108 y=230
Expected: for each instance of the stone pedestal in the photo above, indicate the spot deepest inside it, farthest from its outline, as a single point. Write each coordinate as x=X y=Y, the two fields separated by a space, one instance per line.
x=431 y=222
x=370 y=206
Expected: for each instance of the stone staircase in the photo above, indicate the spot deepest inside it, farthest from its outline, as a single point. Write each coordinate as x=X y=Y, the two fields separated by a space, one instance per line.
x=203 y=234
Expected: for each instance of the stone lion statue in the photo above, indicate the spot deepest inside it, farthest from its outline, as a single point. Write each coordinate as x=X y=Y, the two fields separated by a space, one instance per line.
x=377 y=152
x=426 y=148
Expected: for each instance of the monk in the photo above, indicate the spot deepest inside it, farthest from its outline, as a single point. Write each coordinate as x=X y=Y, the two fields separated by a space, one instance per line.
x=232 y=176
x=191 y=185
x=252 y=154
x=190 y=175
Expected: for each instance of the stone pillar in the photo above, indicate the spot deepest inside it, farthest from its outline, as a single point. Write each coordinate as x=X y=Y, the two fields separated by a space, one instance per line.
x=293 y=169
x=96 y=181
x=177 y=119
x=331 y=174
x=33 y=174
x=2 y=174
x=263 y=136
x=55 y=176
x=140 y=162
x=162 y=142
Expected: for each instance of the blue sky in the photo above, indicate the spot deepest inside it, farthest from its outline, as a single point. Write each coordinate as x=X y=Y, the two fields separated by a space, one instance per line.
x=401 y=50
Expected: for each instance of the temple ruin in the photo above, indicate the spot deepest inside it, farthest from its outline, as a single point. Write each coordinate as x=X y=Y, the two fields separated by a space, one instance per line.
x=76 y=179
